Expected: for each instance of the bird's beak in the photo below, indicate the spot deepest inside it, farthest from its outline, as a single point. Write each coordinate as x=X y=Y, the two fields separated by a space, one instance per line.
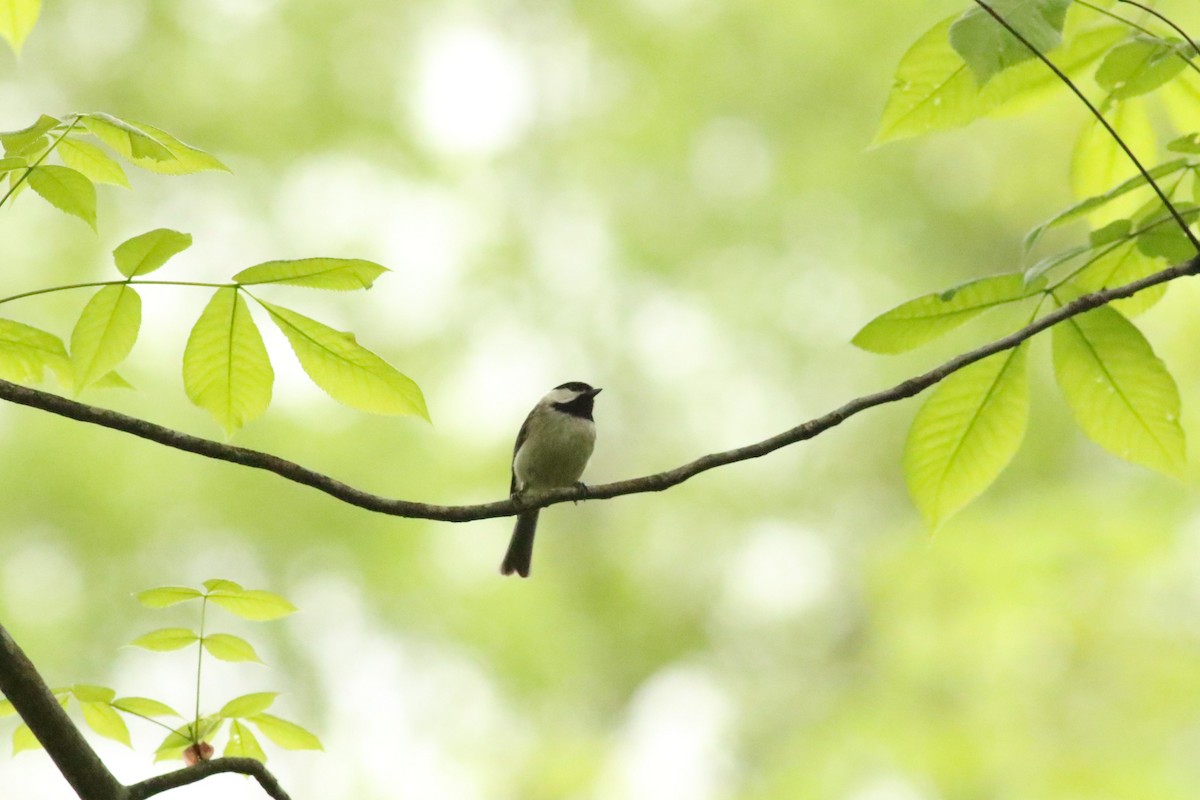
x=595 y=392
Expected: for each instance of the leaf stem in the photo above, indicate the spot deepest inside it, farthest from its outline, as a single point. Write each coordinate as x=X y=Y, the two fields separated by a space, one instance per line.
x=1062 y=76
x=40 y=159
x=1169 y=22
x=199 y=666
x=125 y=282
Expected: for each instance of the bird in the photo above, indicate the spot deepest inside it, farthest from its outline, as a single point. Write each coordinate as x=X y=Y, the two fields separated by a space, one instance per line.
x=552 y=450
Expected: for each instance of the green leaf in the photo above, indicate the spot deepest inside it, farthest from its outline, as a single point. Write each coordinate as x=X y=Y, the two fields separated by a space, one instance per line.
x=1098 y=163
x=66 y=190
x=144 y=707
x=1188 y=143
x=989 y=48
x=252 y=604
x=243 y=744
x=1168 y=242
x=25 y=352
x=187 y=158
x=918 y=321
x=176 y=742
x=1139 y=66
x=226 y=369
x=1119 y=266
x=213 y=584
x=105 y=333
x=248 y=705
x=166 y=639
x=1113 y=231
x=228 y=647
x=339 y=274
x=164 y=596
x=112 y=380
x=346 y=370
x=103 y=720
x=966 y=433
x=92 y=162
x=1119 y=392
x=87 y=693
x=147 y=252
x=17 y=141
x=17 y=18
x=15 y=162
x=23 y=739
x=287 y=735
x=128 y=140
x=7 y=709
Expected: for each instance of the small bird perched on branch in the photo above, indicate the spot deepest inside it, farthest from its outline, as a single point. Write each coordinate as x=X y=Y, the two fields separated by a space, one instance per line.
x=552 y=450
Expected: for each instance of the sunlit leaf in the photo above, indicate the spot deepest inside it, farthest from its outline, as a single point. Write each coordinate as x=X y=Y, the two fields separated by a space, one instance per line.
x=105 y=333
x=112 y=380
x=226 y=369
x=1118 y=390
x=1188 y=143
x=243 y=744
x=340 y=274
x=1119 y=266
x=346 y=370
x=1098 y=163
x=7 y=709
x=148 y=251
x=989 y=48
x=23 y=739
x=164 y=596
x=66 y=190
x=286 y=734
x=228 y=647
x=187 y=159
x=85 y=692
x=918 y=321
x=1139 y=66
x=215 y=584
x=144 y=707
x=174 y=743
x=17 y=141
x=92 y=162
x=128 y=140
x=8 y=164
x=966 y=433
x=25 y=353
x=17 y=18
x=101 y=718
x=252 y=604
x=166 y=639
x=248 y=705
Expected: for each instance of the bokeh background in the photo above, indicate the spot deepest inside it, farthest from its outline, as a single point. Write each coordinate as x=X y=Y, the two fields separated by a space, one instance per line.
x=675 y=200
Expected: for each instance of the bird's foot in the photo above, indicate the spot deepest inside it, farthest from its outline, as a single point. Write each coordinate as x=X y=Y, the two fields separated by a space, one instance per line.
x=583 y=491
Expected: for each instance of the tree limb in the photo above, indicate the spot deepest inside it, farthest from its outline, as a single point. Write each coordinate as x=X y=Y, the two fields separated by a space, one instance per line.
x=657 y=482
x=182 y=777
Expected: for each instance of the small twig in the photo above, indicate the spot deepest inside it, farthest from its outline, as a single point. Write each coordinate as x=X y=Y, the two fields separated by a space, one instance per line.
x=182 y=777
x=1170 y=22
x=1062 y=76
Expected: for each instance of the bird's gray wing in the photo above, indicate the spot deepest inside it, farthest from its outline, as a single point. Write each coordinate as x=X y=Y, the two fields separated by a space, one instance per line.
x=522 y=435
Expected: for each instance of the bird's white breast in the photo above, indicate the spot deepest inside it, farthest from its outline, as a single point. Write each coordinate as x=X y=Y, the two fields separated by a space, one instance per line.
x=555 y=451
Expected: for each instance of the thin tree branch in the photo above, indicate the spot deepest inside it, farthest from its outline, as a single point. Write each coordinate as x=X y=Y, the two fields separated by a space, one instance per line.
x=205 y=769
x=1164 y=18
x=74 y=757
x=658 y=482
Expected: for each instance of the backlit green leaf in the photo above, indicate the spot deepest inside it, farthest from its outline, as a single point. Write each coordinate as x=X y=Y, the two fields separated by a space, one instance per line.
x=103 y=720
x=25 y=352
x=17 y=18
x=148 y=251
x=128 y=140
x=164 y=596
x=87 y=693
x=1118 y=390
x=989 y=48
x=105 y=333
x=252 y=604
x=228 y=647
x=346 y=370
x=7 y=709
x=248 y=705
x=14 y=162
x=23 y=739
x=175 y=743
x=340 y=274
x=1139 y=66
x=187 y=158
x=243 y=744
x=966 y=433
x=286 y=734
x=144 y=707
x=17 y=141
x=166 y=639
x=112 y=380
x=226 y=370
x=92 y=162
x=215 y=584
x=1098 y=163
x=66 y=190
x=918 y=321
x=1121 y=265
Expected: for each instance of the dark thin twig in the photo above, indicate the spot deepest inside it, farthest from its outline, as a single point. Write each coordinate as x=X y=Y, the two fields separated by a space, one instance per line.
x=1170 y=22
x=182 y=777
x=1062 y=76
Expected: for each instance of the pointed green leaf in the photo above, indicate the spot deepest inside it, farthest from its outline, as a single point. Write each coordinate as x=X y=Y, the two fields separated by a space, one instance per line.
x=17 y=141
x=144 y=707
x=14 y=162
x=918 y=321
x=166 y=639
x=174 y=743
x=253 y=604
x=1117 y=229
x=1118 y=266
x=339 y=274
x=1098 y=163
x=66 y=190
x=103 y=720
x=228 y=647
x=112 y=380
x=226 y=369
x=7 y=709
x=87 y=693
x=243 y=744
x=1119 y=392
x=215 y=584
x=164 y=596
x=92 y=162
x=25 y=352
x=248 y=705
x=128 y=140
x=186 y=159
x=105 y=333
x=287 y=735
x=147 y=252
x=1167 y=242
x=1139 y=66
x=23 y=739
x=346 y=370
x=17 y=18
x=966 y=433
x=989 y=48
x=1189 y=143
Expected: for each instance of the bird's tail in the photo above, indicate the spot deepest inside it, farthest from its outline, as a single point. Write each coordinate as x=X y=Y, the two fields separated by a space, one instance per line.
x=520 y=547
